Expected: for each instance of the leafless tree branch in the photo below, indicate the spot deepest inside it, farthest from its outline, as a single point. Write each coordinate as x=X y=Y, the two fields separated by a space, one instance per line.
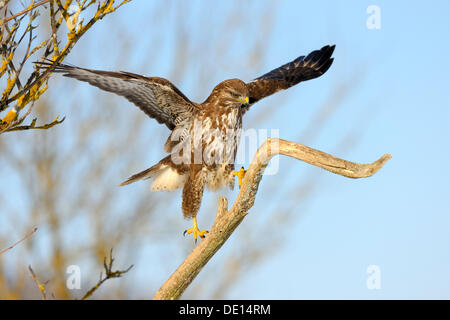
x=38 y=283
x=227 y=220
x=109 y=274
x=29 y=234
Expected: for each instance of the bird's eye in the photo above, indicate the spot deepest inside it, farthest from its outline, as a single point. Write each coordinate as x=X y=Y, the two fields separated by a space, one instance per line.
x=236 y=95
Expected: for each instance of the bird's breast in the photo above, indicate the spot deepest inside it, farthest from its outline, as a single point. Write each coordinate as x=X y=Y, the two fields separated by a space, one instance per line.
x=217 y=132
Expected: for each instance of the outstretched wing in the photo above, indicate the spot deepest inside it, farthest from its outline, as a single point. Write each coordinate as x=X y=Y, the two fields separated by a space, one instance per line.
x=301 y=69
x=157 y=97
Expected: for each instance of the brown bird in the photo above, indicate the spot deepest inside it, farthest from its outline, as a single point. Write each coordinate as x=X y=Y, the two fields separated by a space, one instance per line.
x=204 y=139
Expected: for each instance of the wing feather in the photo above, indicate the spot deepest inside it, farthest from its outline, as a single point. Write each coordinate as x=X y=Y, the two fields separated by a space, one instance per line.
x=301 y=69
x=157 y=97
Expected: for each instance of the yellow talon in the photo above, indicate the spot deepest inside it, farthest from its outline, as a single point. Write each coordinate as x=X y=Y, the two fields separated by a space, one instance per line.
x=240 y=174
x=195 y=230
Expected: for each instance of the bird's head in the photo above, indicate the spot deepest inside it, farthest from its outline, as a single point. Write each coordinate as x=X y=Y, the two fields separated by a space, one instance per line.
x=233 y=92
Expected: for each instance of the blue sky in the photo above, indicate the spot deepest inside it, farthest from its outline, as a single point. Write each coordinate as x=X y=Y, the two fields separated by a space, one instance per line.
x=398 y=219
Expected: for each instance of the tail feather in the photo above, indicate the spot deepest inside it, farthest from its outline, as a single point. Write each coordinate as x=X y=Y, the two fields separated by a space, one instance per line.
x=146 y=174
x=166 y=176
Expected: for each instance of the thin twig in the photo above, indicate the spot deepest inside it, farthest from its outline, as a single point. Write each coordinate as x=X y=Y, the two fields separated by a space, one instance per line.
x=227 y=220
x=33 y=126
x=109 y=274
x=14 y=125
x=39 y=285
x=24 y=11
x=54 y=29
x=29 y=234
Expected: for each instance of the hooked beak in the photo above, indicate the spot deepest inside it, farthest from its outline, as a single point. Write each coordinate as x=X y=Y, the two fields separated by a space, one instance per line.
x=243 y=101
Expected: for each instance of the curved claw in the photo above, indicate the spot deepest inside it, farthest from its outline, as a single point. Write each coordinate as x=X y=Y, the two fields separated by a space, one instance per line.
x=195 y=230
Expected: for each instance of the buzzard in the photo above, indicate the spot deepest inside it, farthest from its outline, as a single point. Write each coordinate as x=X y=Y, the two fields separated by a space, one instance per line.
x=204 y=136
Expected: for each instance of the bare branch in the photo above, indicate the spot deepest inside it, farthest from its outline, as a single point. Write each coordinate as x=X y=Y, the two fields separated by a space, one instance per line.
x=39 y=285
x=32 y=125
x=36 y=84
x=29 y=234
x=227 y=221
x=24 y=11
x=109 y=274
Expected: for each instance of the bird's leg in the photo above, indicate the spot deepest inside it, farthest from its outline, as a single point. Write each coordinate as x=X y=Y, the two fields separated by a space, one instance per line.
x=195 y=230
x=240 y=174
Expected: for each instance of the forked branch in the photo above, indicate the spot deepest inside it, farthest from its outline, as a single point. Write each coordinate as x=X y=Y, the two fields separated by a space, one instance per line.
x=109 y=274
x=227 y=220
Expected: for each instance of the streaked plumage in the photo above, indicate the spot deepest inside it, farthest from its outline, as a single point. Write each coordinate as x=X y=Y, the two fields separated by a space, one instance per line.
x=217 y=121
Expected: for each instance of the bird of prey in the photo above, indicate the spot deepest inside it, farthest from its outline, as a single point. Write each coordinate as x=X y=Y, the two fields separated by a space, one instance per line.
x=204 y=136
